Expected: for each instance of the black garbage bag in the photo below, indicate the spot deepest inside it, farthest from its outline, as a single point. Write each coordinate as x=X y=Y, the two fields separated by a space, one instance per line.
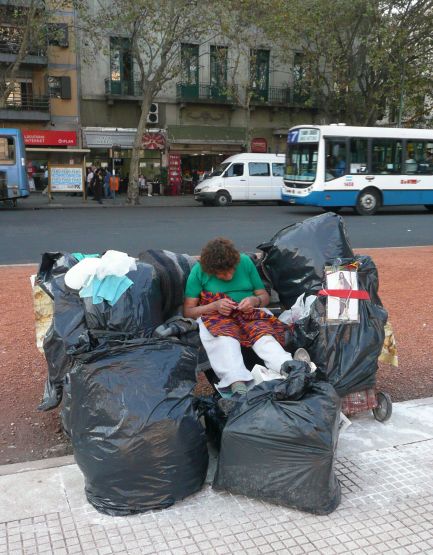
x=280 y=450
x=137 y=312
x=135 y=432
x=346 y=353
x=215 y=419
x=172 y=270
x=68 y=333
x=295 y=257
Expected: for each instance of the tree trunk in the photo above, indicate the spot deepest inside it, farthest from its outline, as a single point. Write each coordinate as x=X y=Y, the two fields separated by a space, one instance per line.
x=133 y=197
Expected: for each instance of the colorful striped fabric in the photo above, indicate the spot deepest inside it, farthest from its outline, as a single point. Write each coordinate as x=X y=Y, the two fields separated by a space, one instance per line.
x=246 y=328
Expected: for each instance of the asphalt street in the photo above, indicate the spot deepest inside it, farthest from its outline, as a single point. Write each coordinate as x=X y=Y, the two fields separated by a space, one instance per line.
x=26 y=234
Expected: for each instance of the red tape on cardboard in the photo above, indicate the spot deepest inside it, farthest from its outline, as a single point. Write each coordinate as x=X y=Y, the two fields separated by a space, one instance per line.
x=345 y=294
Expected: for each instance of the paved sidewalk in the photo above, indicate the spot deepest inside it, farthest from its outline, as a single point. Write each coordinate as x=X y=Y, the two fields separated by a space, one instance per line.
x=38 y=201
x=387 y=505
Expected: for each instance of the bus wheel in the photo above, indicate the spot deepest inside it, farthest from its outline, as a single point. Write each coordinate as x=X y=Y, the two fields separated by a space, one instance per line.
x=222 y=199
x=429 y=207
x=368 y=202
x=335 y=209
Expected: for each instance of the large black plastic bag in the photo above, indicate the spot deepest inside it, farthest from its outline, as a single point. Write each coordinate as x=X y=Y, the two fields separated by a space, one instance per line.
x=282 y=451
x=135 y=433
x=67 y=334
x=137 y=312
x=296 y=255
x=347 y=353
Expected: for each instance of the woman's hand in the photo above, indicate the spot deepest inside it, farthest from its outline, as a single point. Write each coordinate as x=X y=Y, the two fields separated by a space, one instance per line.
x=225 y=306
x=248 y=304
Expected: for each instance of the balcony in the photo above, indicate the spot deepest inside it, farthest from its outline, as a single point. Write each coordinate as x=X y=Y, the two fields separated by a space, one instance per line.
x=29 y=108
x=203 y=93
x=125 y=90
x=278 y=96
x=36 y=56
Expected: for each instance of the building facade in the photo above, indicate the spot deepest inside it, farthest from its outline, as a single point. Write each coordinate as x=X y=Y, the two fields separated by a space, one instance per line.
x=44 y=102
x=203 y=116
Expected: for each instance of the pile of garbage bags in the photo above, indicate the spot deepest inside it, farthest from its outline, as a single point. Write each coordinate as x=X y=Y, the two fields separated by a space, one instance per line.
x=279 y=444
x=126 y=369
x=133 y=425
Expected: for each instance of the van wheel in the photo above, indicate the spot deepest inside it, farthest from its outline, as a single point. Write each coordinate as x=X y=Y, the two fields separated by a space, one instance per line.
x=222 y=199
x=429 y=207
x=368 y=202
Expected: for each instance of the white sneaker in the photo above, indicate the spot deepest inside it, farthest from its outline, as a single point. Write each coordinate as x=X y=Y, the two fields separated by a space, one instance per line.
x=149 y=195
x=302 y=355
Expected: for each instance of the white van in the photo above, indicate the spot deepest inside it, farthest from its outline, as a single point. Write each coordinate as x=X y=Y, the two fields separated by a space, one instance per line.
x=246 y=177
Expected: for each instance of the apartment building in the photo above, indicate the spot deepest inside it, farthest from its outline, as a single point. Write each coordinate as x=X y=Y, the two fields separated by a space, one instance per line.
x=44 y=101
x=204 y=115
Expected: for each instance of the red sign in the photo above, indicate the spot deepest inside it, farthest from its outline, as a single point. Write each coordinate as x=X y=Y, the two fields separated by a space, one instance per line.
x=174 y=173
x=153 y=141
x=259 y=145
x=42 y=137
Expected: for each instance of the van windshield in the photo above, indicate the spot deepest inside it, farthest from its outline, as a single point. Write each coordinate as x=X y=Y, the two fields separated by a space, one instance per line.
x=219 y=170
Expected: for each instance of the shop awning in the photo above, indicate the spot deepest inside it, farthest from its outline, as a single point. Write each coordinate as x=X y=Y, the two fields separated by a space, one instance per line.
x=59 y=150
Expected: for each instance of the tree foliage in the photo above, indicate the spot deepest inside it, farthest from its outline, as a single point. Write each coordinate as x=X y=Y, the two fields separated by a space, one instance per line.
x=361 y=57
x=156 y=29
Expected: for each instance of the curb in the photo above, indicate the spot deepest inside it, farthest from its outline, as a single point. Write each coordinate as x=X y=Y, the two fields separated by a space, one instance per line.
x=42 y=464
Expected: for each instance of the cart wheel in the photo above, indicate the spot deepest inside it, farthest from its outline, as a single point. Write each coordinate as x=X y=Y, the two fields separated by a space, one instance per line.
x=383 y=411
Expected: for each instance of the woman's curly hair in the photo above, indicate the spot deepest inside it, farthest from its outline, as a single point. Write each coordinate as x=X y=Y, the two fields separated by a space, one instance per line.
x=219 y=255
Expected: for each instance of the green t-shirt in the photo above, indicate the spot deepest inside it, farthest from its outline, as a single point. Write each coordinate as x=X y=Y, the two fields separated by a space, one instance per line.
x=244 y=282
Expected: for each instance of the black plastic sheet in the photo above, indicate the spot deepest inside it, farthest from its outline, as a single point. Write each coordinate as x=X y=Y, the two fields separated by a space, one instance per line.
x=79 y=325
x=137 y=312
x=68 y=334
x=135 y=432
x=346 y=353
x=295 y=257
x=281 y=450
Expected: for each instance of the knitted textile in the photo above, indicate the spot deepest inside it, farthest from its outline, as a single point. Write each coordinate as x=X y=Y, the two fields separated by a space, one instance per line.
x=246 y=328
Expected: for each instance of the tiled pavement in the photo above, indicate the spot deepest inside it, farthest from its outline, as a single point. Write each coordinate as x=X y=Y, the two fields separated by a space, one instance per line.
x=387 y=508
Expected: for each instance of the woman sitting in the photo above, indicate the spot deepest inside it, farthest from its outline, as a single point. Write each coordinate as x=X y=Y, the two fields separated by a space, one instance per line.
x=226 y=294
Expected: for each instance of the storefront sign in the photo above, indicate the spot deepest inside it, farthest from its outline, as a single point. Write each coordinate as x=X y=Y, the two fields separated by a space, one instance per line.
x=108 y=137
x=174 y=173
x=42 y=137
x=63 y=178
x=259 y=145
x=153 y=141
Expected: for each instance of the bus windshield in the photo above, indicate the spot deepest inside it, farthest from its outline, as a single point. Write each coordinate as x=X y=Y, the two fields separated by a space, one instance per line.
x=301 y=162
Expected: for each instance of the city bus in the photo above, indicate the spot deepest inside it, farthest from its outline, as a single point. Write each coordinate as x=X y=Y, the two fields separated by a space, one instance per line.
x=333 y=166
x=13 y=175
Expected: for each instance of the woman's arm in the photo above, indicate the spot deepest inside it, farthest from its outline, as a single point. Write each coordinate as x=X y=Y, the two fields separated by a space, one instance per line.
x=191 y=308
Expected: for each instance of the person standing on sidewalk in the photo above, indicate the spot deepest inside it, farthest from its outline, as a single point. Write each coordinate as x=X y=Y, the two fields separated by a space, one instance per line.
x=107 y=191
x=98 y=186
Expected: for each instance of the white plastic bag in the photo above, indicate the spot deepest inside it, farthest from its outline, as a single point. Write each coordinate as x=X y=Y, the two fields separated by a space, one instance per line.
x=299 y=310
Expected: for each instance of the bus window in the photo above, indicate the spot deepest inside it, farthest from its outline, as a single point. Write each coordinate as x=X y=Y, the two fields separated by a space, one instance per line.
x=386 y=156
x=358 y=155
x=7 y=151
x=419 y=157
x=336 y=158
